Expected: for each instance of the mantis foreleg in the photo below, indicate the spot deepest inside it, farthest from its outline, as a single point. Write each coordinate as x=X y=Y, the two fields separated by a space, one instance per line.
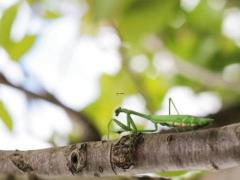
x=131 y=122
x=123 y=126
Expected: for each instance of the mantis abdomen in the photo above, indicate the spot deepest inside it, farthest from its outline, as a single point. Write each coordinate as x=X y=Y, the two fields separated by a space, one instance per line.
x=182 y=121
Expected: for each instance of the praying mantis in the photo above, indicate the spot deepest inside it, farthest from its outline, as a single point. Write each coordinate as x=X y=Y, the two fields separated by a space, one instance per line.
x=176 y=121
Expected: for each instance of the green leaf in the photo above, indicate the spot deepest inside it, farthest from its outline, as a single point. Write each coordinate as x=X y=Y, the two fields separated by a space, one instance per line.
x=155 y=90
x=172 y=173
x=206 y=19
x=49 y=14
x=101 y=110
x=107 y=9
x=182 y=175
x=17 y=49
x=4 y=115
x=6 y=23
x=146 y=16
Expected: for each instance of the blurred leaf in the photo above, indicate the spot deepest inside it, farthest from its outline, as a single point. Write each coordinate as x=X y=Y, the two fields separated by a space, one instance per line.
x=154 y=89
x=182 y=43
x=17 y=49
x=88 y=26
x=74 y=138
x=182 y=175
x=6 y=22
x=205 y=19
x=183 y=81
x=172 y=173
x=102 y=11
x=200 y=39
x=146 y=16
x=101 y=110
x=108 y=9
x=49 y=14
x=4 y=115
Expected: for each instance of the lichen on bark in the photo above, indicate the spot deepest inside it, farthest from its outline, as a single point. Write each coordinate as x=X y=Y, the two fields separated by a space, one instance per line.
x=123 y=152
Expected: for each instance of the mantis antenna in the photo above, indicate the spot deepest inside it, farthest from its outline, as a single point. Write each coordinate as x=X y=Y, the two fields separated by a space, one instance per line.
x=170 y=101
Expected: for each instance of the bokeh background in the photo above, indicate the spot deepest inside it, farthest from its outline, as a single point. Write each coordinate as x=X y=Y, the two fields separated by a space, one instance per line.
x=66 y=65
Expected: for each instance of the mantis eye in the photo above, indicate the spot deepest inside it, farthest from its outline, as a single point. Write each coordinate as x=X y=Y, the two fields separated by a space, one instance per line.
x=117 y=111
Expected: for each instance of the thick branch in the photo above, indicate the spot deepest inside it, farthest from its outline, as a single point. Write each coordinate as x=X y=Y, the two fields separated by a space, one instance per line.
x=90 y=131
x=35 y=177
x=207 y=149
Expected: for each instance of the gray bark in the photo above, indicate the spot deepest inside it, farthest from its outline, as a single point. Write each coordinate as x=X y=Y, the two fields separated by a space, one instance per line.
x=35 y=177
x=207 y=149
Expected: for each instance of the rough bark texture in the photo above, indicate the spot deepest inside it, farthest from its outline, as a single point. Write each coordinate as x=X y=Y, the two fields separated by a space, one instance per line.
x=35 y=177
x=206 y=149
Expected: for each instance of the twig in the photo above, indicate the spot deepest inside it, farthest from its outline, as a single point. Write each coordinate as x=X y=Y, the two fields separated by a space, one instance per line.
x=90 y=131
x=204 y=76
x=208 y=149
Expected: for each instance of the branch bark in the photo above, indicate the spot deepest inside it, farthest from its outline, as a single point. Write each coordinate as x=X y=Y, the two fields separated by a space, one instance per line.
x=207 y=149
x=90 y=131
x=35 y=177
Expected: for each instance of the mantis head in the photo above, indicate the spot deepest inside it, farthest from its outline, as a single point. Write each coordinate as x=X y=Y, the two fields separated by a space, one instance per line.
x=117 y=111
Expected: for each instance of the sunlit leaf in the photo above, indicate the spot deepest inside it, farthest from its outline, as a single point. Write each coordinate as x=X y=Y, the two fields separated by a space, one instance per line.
x=15 y=49
x=182 y=175
x=51 y=14
x=205 y=18
x=6 y=22
x=155 y=90
x=4 y=115
x=108 y=9
x=172 y=173
x=102 y=11
x=18 y=49
x=102 y=109
x=146 y=16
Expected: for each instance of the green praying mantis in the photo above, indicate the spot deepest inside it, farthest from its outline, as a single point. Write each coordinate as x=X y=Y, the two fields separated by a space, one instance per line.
x=175 y=121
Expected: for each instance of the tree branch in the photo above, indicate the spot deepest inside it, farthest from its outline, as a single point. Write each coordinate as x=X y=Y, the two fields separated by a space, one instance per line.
x=136 y=79
x=90 y=131
x=205 y=76
x=35 y=177
x=207 y=149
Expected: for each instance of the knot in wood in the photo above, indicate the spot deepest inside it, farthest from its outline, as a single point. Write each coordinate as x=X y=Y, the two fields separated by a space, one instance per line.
x=77 y=159
x=123 y=152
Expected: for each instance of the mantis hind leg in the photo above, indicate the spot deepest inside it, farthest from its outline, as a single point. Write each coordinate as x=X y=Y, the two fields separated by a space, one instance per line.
x=170 y=101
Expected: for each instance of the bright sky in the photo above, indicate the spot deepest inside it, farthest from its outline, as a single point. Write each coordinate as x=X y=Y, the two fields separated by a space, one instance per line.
x=69 y=65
